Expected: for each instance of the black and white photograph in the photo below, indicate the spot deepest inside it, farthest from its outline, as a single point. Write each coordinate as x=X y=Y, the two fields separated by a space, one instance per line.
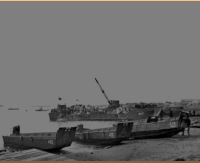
x=99 y=81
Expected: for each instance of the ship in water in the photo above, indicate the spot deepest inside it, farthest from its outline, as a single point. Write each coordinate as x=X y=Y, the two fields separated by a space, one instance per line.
x=113 y=112
x=13 y=108
x=41 y=109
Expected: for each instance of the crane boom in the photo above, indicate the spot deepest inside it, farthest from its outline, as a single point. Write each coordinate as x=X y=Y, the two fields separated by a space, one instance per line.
x=103 y=91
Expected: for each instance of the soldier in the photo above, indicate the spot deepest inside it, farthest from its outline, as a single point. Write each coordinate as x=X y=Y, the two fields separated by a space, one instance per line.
x=186 y=124
x=171 y=113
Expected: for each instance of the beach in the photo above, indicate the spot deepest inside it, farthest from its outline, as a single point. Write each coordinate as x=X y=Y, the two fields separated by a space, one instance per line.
x=166 y=149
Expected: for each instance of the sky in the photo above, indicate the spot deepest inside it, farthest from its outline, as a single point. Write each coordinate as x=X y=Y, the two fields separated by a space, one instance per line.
x=138 y=51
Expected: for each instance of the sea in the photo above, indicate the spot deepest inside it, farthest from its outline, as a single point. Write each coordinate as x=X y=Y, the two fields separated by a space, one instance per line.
x=31 y=121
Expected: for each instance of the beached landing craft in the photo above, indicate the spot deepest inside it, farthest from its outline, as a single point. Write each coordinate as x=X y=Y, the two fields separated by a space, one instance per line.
x=104 y=136
x=44 y=141
x=158 y=126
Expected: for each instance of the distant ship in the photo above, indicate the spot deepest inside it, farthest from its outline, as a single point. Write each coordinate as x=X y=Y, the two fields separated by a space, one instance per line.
x=13 y=108
x=40 y=106
x=41 y=109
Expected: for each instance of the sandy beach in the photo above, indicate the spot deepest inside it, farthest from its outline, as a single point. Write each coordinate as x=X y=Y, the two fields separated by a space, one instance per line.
x=167 y=149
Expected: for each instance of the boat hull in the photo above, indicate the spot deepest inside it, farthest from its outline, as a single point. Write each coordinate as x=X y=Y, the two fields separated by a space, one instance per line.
x=102 y=141
x=44 y=141
x=160 y=129
x=105 y=136
x=155 y=134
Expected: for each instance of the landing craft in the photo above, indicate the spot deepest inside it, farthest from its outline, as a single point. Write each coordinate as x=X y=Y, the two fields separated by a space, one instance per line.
x=44 y=141
x=113 y=112
x=104 y=136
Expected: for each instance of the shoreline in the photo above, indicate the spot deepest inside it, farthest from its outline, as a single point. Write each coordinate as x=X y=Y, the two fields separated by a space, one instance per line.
x=177 y=147
x=164 y=149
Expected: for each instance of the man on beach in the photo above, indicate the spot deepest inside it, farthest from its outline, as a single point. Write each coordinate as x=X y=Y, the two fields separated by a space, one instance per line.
x=187 y=123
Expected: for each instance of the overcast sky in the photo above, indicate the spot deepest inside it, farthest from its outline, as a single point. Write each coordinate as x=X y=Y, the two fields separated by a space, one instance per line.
x=138 y=51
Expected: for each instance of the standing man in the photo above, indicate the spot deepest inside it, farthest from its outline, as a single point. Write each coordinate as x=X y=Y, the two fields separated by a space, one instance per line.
x=171 y=113
x=186 y=124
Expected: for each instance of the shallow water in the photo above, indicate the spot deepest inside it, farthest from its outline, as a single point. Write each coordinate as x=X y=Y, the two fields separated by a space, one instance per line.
x=38 y=121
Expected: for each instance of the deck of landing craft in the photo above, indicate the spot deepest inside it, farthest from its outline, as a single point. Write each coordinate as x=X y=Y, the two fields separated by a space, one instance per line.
x=33 y=155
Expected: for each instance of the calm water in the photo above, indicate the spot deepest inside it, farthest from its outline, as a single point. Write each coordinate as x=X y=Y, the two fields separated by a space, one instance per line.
x=35 y=121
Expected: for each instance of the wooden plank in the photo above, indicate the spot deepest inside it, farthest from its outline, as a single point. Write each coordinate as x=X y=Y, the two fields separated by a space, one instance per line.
x=58 y=158
x=33 y=155
x=25 y=151
x=51 y=157
x=19 y=155
x=37 y=157
x=48 y=158
x=62 y=159
x=23 y=157
x=15 y=154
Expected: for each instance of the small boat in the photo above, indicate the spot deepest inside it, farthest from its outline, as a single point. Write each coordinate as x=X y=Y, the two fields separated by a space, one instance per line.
x=13 y=108
x=158 y=127
x=104 y=136
x=44 y=141
x=41 y=109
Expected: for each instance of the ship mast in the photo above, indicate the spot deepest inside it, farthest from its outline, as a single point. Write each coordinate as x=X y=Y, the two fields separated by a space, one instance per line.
x=103 y=92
